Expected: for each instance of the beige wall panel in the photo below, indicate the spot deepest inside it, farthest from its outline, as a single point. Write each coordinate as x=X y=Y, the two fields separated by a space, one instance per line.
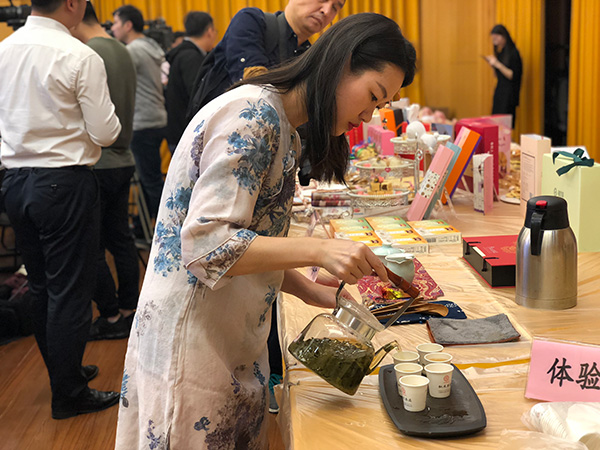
x=454 y=33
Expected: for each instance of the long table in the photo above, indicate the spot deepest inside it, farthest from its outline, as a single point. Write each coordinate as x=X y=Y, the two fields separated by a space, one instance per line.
x=314 y=415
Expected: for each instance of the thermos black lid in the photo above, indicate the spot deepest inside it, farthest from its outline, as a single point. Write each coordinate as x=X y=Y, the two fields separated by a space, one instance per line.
x=553 y=209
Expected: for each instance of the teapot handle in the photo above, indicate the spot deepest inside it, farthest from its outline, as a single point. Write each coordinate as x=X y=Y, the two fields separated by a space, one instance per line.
x=381 y=353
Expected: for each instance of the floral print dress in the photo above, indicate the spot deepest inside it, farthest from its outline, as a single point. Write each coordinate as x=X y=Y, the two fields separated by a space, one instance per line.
x=196 y=370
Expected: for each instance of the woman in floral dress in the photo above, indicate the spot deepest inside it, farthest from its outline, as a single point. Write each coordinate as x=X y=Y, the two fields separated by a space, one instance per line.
x=196 y=369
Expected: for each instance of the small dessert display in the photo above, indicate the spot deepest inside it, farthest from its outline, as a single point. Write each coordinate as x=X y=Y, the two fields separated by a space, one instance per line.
x=379 y=182
x=417 y=145
x=369 y=198
x=380 y=187
x=407 y=144
x=384 y=166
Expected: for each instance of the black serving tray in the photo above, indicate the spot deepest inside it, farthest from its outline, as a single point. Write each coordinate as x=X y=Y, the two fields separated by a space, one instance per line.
x=459 y=414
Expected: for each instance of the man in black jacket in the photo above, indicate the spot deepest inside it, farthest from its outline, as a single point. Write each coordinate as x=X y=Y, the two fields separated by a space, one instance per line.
x=185 y=60
x=253 y=43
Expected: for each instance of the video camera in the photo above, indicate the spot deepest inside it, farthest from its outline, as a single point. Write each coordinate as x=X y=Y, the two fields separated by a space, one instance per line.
x=155 y=29
x=108 y=27
x=14 y=16
x=160 y=32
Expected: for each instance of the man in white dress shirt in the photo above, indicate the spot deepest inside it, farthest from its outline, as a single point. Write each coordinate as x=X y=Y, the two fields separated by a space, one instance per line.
x=55 y=114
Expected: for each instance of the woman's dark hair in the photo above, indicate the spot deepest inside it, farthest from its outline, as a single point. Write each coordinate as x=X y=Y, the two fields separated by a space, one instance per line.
x=369 y=41
x=502 y=31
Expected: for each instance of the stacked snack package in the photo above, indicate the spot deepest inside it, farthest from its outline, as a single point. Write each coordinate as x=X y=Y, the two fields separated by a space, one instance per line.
x=512 y=181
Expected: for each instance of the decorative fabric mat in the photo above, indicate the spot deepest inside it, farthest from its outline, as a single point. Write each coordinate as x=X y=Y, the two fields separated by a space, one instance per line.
x=376 y=292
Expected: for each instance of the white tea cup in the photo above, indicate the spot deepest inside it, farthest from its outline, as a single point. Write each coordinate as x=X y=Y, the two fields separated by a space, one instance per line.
x=426 y=348
x=440 y=377
x=414 y=392
x=405 y=357
x=438 y=357
x=405 y=369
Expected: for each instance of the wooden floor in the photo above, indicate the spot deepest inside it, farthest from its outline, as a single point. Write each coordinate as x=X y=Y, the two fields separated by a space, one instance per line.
x=25 y=421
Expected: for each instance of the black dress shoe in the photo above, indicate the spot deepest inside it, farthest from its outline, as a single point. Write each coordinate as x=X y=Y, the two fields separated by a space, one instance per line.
x=102 y=329
x=89 y=372
x=89 y=401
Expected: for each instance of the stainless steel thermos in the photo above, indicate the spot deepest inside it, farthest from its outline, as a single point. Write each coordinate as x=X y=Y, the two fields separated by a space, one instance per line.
x=546 y=270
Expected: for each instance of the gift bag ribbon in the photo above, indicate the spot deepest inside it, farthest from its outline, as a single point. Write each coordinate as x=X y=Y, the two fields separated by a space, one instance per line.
x=578 y=160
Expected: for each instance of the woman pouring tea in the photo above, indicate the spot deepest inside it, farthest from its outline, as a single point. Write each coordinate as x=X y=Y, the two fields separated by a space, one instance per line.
x=196 y=369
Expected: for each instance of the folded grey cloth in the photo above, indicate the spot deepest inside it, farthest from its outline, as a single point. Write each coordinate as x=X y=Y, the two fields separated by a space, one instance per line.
x=472 y=331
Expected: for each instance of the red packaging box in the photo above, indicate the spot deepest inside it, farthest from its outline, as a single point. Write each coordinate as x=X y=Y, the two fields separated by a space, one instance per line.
x=489 y=144
x=504 y=122
x=355 y=135
x=493 y=258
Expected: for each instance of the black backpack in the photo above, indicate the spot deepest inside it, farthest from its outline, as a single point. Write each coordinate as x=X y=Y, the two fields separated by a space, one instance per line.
x=16 y=309
x=212 y=82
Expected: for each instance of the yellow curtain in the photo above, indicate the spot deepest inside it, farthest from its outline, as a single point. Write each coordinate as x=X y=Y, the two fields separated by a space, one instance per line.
x=404 y=12
x=455 y=78
x=584 y=77
x=524 y=20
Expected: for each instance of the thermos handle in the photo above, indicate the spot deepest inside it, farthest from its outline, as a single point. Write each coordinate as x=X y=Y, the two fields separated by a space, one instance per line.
x=536 y=232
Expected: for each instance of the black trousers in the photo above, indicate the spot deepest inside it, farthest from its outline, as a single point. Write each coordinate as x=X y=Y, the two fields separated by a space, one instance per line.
x=275 y=357
x=116 y=237
x=55 y=216
x=145 y=145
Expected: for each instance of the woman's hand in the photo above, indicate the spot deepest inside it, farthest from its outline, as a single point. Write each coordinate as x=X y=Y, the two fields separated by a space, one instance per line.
x=326 y=279
x=492 y=60
x=349 y=261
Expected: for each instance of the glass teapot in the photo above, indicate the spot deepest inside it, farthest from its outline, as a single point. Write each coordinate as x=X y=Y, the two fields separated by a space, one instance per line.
x=338 y=347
